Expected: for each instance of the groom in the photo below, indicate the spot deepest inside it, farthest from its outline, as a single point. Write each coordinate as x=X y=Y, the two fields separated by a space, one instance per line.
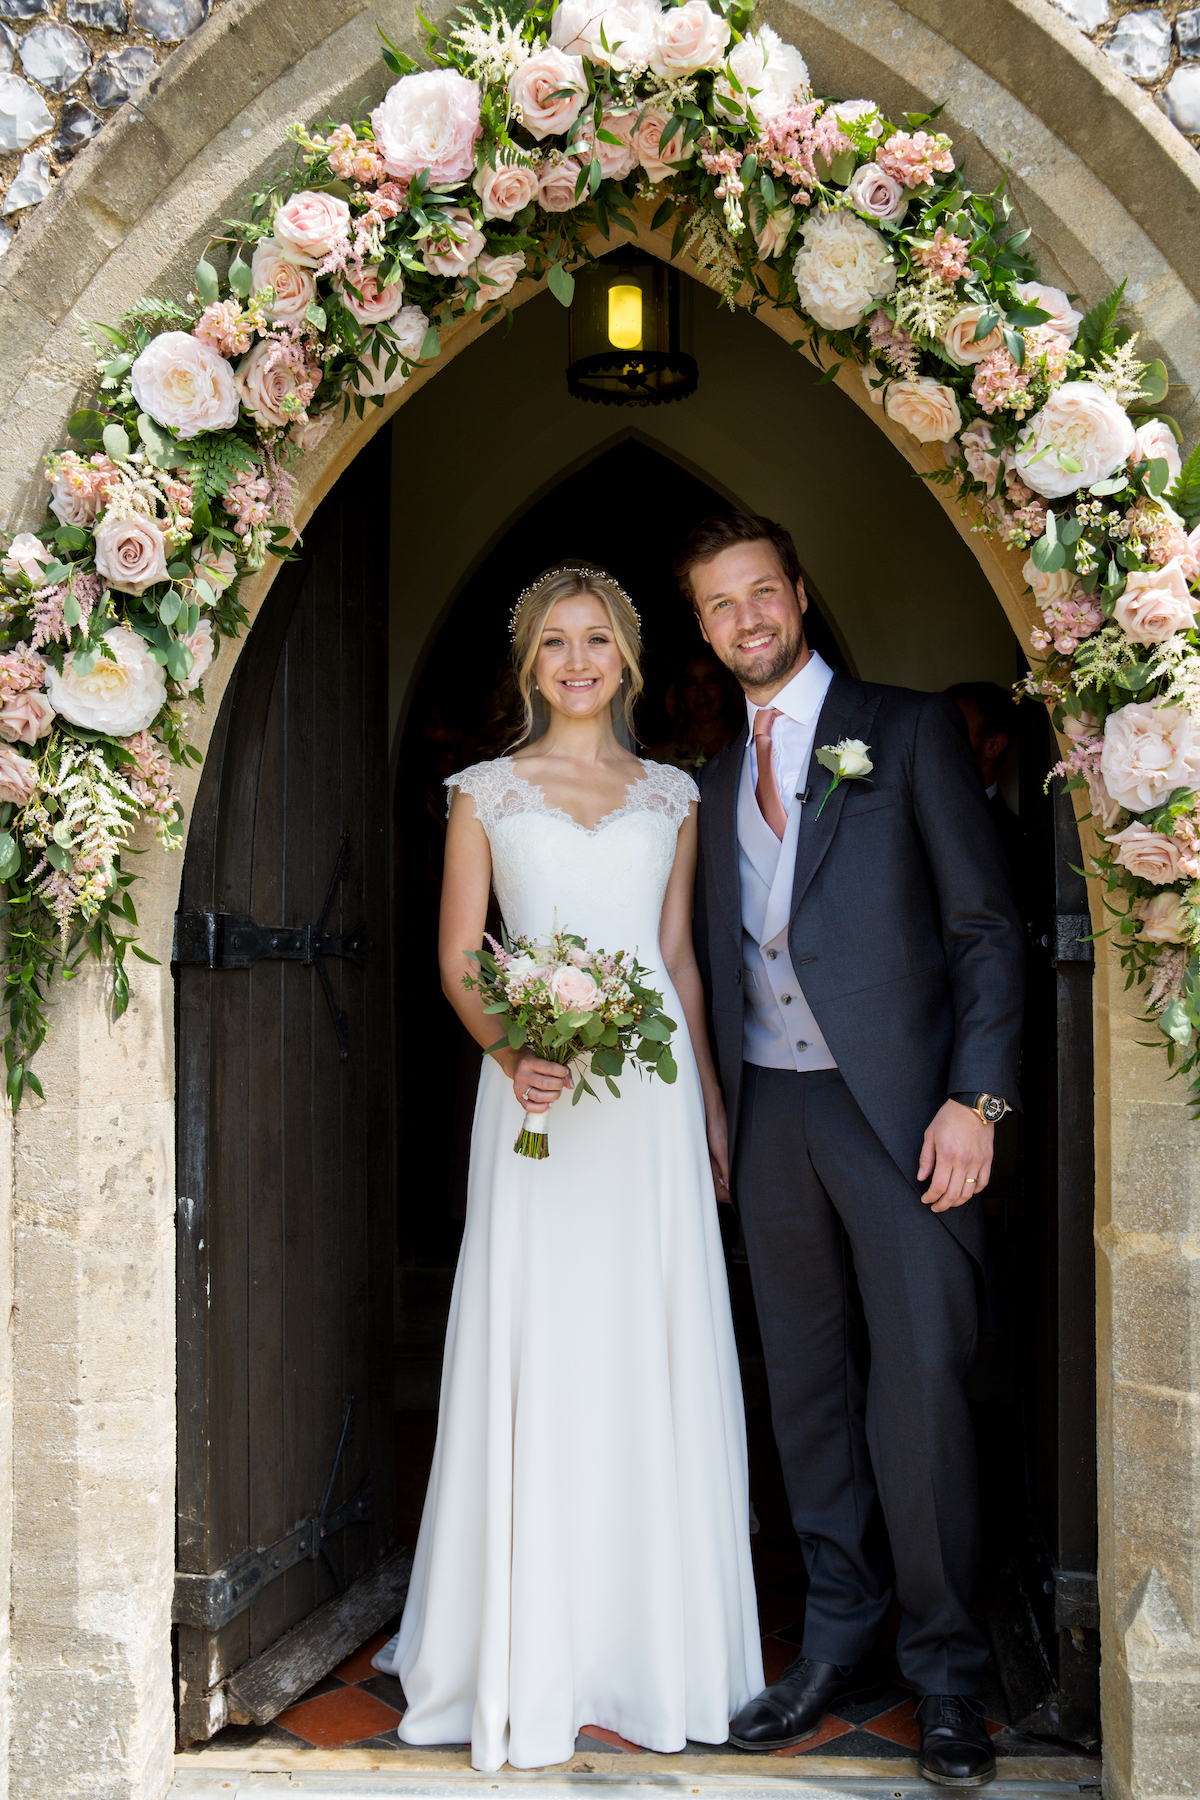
x=862 y=960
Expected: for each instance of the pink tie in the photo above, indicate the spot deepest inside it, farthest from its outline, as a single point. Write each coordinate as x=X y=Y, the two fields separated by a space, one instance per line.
x=770 y=804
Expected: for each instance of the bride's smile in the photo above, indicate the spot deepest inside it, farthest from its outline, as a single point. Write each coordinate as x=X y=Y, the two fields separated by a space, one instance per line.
x=579 y=663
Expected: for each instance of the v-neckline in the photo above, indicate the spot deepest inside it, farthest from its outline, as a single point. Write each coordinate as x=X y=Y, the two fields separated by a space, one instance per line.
x=560 y=812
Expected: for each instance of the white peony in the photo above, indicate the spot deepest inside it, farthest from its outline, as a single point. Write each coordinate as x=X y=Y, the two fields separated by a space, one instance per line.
x=772 y=75
x=842 y=270
x=1149 y=751
x=630 y=29
x=429 y=120
x=119 y=697
x=185 y=385
x=689 y=38
x=1081 y=435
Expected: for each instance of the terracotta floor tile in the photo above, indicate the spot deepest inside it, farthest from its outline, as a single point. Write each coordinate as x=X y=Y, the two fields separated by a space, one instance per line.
x=777 y=1654
x=610 y=1738
x=335 y=1720
x=358 y=1667
x=900 y=1726
x=832 y=1728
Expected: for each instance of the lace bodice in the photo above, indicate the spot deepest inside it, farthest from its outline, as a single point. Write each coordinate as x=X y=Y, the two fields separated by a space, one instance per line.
x=604 y=881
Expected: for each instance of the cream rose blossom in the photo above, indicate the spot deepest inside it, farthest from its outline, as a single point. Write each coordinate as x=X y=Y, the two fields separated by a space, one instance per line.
x=498 y=275
x=266 y=381
x=1162 y=919
x=982 y=458
x=616 y=160
x=688 y=38
x=773 y=230
x=306 y=434
x=122 y=695
x=537 y=87
x=877 y=194
x=452 y=254
x=24 y=718
x=1147 y=854
x=429 y=120
x=1080 y=436
x=556 y=186
x=371 y=303
x=843 y=268
x=504 y=191
x=1156 y=604
x=1052 y=300
x=130 y=554
x=1153 y=440
x=574 y=990
x=203 y=648
x=185 y=385
x=655 y=157
x=1052 y=589
x=926 y=408
x=308 y=225
x=773 y=75
x=18 y=777
x=1149 y=751
x=25 y=556
x=958 y=338
x=292 y=285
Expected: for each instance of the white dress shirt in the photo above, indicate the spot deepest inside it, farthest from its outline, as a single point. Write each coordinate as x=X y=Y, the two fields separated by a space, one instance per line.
x=780 y=1031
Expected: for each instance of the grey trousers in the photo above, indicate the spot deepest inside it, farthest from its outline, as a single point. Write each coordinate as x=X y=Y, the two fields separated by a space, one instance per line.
x=867 y=1307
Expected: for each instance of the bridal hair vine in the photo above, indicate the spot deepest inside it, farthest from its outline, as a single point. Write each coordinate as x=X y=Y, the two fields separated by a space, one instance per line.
x=568 y=569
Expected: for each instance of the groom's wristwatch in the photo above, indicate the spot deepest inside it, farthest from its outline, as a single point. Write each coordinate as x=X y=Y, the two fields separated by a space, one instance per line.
x=989 y=1108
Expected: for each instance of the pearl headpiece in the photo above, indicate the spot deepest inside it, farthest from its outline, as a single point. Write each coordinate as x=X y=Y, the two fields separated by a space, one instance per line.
x=568 y=569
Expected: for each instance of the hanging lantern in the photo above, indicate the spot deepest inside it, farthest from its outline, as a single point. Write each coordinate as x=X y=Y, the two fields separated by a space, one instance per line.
x=629 y=335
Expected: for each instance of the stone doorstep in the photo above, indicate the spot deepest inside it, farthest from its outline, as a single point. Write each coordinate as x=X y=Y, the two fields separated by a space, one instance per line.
x=594 y=1786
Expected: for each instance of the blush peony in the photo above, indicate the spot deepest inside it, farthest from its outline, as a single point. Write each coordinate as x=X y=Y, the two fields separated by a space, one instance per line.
x=18 y=777
x=574 y=990
x=926 y=408
x=121 y=696
x=1149 y=751
x=504 y=191
x=1156 y=604
x=452 y=253
x=773 y=75
x=656 y=157
x=131 y=554
x=877 y=194
x=958 y=338
x=371 y=303
x=1081 y=435
x=843 y=268
x=24 y=718
x=185 y=385
x=292 y=285
x=688 y=38
x=1063 y=316
x=550 y=90
x=308 y=226
x=1162 y=919
x=1147 y=854
x=1154 y=439
x=429 y=121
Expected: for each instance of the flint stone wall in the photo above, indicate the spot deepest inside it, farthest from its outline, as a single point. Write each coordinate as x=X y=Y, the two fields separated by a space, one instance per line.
x=1110 y=190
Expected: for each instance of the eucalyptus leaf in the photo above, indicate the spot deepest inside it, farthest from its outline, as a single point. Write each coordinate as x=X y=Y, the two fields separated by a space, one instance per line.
x=561 y=283
x=1175 y=1023
x=431 y=344
x=1157 y=475
x=1155 y=384
x=71 y=611
x=85 y=660
x=58 y=858
x=116 y=442
x=1112 y=486
x=315 y=315
x=10 y=855
x=207 y=285
x=179 y=661
x=239 y=277
x=86 y=426
x=168 y=607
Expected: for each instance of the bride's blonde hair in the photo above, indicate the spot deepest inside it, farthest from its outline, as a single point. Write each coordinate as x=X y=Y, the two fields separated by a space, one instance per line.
x=563 y=582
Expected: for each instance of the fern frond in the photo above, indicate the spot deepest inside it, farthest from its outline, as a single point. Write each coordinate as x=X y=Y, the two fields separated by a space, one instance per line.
x=1097 y=334
x=149 y=311
x=217 y=459
x=1185 y=495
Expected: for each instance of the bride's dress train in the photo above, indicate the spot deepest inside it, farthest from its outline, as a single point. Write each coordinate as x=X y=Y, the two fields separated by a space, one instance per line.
x=584 y=1554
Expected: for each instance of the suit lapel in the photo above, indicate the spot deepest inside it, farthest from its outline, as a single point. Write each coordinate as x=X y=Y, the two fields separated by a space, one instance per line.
x=848 y=711
x=721 y=803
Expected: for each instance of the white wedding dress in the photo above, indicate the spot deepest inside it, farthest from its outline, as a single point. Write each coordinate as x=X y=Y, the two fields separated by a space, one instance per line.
x=584 y=1554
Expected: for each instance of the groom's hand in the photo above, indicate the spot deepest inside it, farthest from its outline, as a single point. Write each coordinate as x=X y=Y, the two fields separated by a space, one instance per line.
x=957 y=1152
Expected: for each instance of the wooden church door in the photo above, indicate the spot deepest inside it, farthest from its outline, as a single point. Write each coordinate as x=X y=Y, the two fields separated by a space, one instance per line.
x=286 y=1554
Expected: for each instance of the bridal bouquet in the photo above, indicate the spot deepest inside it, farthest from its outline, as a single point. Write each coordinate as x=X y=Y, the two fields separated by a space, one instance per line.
x=571 y=1004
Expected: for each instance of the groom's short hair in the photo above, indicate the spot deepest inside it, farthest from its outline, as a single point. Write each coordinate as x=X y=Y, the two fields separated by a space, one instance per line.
x=721 y=532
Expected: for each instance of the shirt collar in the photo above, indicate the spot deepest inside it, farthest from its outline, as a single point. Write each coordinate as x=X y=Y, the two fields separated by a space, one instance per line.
x=801 y=700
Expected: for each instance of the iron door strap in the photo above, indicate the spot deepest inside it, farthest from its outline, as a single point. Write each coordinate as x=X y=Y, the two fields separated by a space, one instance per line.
x=210 y=1601
x=216 y=940
x=1067 y=936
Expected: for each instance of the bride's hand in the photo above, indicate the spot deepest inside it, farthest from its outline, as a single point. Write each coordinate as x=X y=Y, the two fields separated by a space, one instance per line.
x=718 y=1145
x=536 y=1082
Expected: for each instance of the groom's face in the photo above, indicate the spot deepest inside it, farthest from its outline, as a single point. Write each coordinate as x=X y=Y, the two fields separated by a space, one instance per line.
x=751 y=615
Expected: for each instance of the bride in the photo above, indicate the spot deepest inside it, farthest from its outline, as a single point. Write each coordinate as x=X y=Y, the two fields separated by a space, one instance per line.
x=584 y=1553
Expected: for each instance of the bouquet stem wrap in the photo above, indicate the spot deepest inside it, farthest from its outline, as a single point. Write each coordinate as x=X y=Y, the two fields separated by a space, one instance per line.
x=533 y=1139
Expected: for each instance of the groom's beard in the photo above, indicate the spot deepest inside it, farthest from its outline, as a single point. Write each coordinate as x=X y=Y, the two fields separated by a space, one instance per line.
x=768 y=666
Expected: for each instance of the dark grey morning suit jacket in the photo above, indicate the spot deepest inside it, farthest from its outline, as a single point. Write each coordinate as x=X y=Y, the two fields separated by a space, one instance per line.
x=907 y=946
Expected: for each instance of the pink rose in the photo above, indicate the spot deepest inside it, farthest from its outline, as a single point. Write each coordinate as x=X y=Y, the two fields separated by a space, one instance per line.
x=688 y=38
x=982 y=458
x=1147 y=854
x=1162 y=919
x=958 y=337
x=573 y=990
x=1149 y=751
x=203 y=648
x=429 y=120
x=1050 y=590
x=452 y=253
x=505 y=190
x=1154 y=439
x=536 y=88
x=1156 y=604
x=1106 y=809
x=1052 y=300
x=616 y=160
x=498 y=275
x=272 y=387
x=217 y=569
x=185 y=385
x=876 y=194
x=306 y=434
x=772 y=233
x=308 y=225
x=654 y=156
x=26 y=556
x=292 y=285
x=926 y=408
x=24 y=718
x=130 y=554
x=1080 y=436
x=556 y=185
x=400 y=339
x=18 y=777
x=371 y=303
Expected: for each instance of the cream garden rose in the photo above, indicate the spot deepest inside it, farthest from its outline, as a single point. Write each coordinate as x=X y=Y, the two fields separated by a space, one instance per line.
x=574 y=990
x=772 y=75
x=26 y=556
x=1147 y=854
x=131 y=554
x=185 y=385
x=1149 y=751
x=498 y=275
x=18 y=777
x=407 y=335
x=429 y=120
x=556 y=185
x=1155 y=440
x=306 y=434
x=655 y=157
x=843 y=268
x=24 y=718
x=550 y=90
x=1052 y=589
x=958 y=338
x=772 y=231
x=616 y=160
x=1063 y=316
x=122 y=695
x=308 y=225
x=292 y=284
x=982 y=458
x=1162 y=919
x=203 y=648
x=1081 y=435
x=371 y=304
x=1156 y=604
x=452 y=254
x=926 y=408
x=266 y=381
x=505 y=190
x=688 y=38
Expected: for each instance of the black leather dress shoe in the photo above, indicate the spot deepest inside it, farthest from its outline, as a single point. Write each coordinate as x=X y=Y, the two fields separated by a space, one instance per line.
x=955 y=1748
x=793 y=1707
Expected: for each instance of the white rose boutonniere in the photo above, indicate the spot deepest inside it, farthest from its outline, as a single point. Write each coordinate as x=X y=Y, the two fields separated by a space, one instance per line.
x=847 y=760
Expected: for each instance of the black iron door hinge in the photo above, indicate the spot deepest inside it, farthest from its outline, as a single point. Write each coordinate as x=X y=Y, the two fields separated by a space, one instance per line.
x=227 y=941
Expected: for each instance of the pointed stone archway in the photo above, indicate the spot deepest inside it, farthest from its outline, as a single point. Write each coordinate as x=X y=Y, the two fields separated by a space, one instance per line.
x=86 y=1470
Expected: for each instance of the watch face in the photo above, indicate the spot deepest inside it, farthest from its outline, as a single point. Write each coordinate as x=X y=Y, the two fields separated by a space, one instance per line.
x=992 y=1108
